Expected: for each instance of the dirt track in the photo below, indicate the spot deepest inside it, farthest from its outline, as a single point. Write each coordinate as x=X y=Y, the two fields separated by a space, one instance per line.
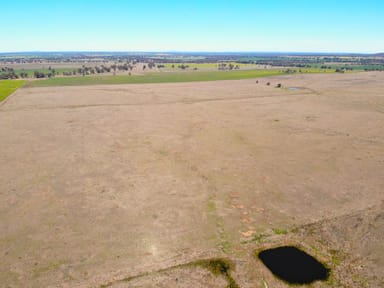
x=102 y=183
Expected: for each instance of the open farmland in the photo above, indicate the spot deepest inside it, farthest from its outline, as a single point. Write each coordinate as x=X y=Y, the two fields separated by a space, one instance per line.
x=165 y=77
x=7 y=87
x=156 y=77
x=46 y=65
x=142 y=185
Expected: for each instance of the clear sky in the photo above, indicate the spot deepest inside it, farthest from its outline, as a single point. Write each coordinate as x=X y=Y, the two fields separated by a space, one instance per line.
x=194 y=25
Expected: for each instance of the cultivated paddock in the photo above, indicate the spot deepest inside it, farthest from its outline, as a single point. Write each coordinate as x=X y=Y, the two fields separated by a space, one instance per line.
x=102 y=183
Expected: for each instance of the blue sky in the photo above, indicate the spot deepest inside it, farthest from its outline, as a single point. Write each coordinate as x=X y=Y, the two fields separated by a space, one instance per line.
x=210 y=25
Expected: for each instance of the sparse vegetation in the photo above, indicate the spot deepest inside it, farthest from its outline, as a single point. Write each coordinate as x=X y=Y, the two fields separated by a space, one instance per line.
x=217 y=266
x=220 y=267
x=278 y=231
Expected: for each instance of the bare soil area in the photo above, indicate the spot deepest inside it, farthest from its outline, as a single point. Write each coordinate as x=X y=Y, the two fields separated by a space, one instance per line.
x=133 y=185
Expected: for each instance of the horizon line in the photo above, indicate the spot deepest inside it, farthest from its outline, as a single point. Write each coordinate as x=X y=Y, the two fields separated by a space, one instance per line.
x=189 y=52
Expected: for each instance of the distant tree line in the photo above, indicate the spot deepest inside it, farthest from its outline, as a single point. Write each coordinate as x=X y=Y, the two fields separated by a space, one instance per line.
x=96 y=63
x=8 y=73
x=225 y=66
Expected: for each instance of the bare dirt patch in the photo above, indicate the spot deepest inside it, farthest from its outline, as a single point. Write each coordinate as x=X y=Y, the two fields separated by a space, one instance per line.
x=102 y=183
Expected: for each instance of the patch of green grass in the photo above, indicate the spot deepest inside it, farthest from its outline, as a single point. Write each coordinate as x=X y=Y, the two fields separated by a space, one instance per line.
x=264 y=283
x=211 y=206
x=313 y=70
x=191 y=65
x=157 y=77
x=217 y=266
x=223 y=243
x=203 y=65
x=278 y=231
x=7 y=87
x=225 y=246
x=337 y=257
x=257 y=238
x=354 y=67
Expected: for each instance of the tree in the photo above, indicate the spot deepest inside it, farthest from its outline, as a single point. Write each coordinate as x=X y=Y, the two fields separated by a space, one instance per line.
x=39 y=74
x=114 y=69
x=24 y=75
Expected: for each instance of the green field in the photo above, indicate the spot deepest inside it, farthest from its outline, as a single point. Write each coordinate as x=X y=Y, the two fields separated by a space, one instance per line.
x=313 y=70
x=156 y=77
x=357 y=67
x=212 y=65
x=7 y=87
x=31 y=72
